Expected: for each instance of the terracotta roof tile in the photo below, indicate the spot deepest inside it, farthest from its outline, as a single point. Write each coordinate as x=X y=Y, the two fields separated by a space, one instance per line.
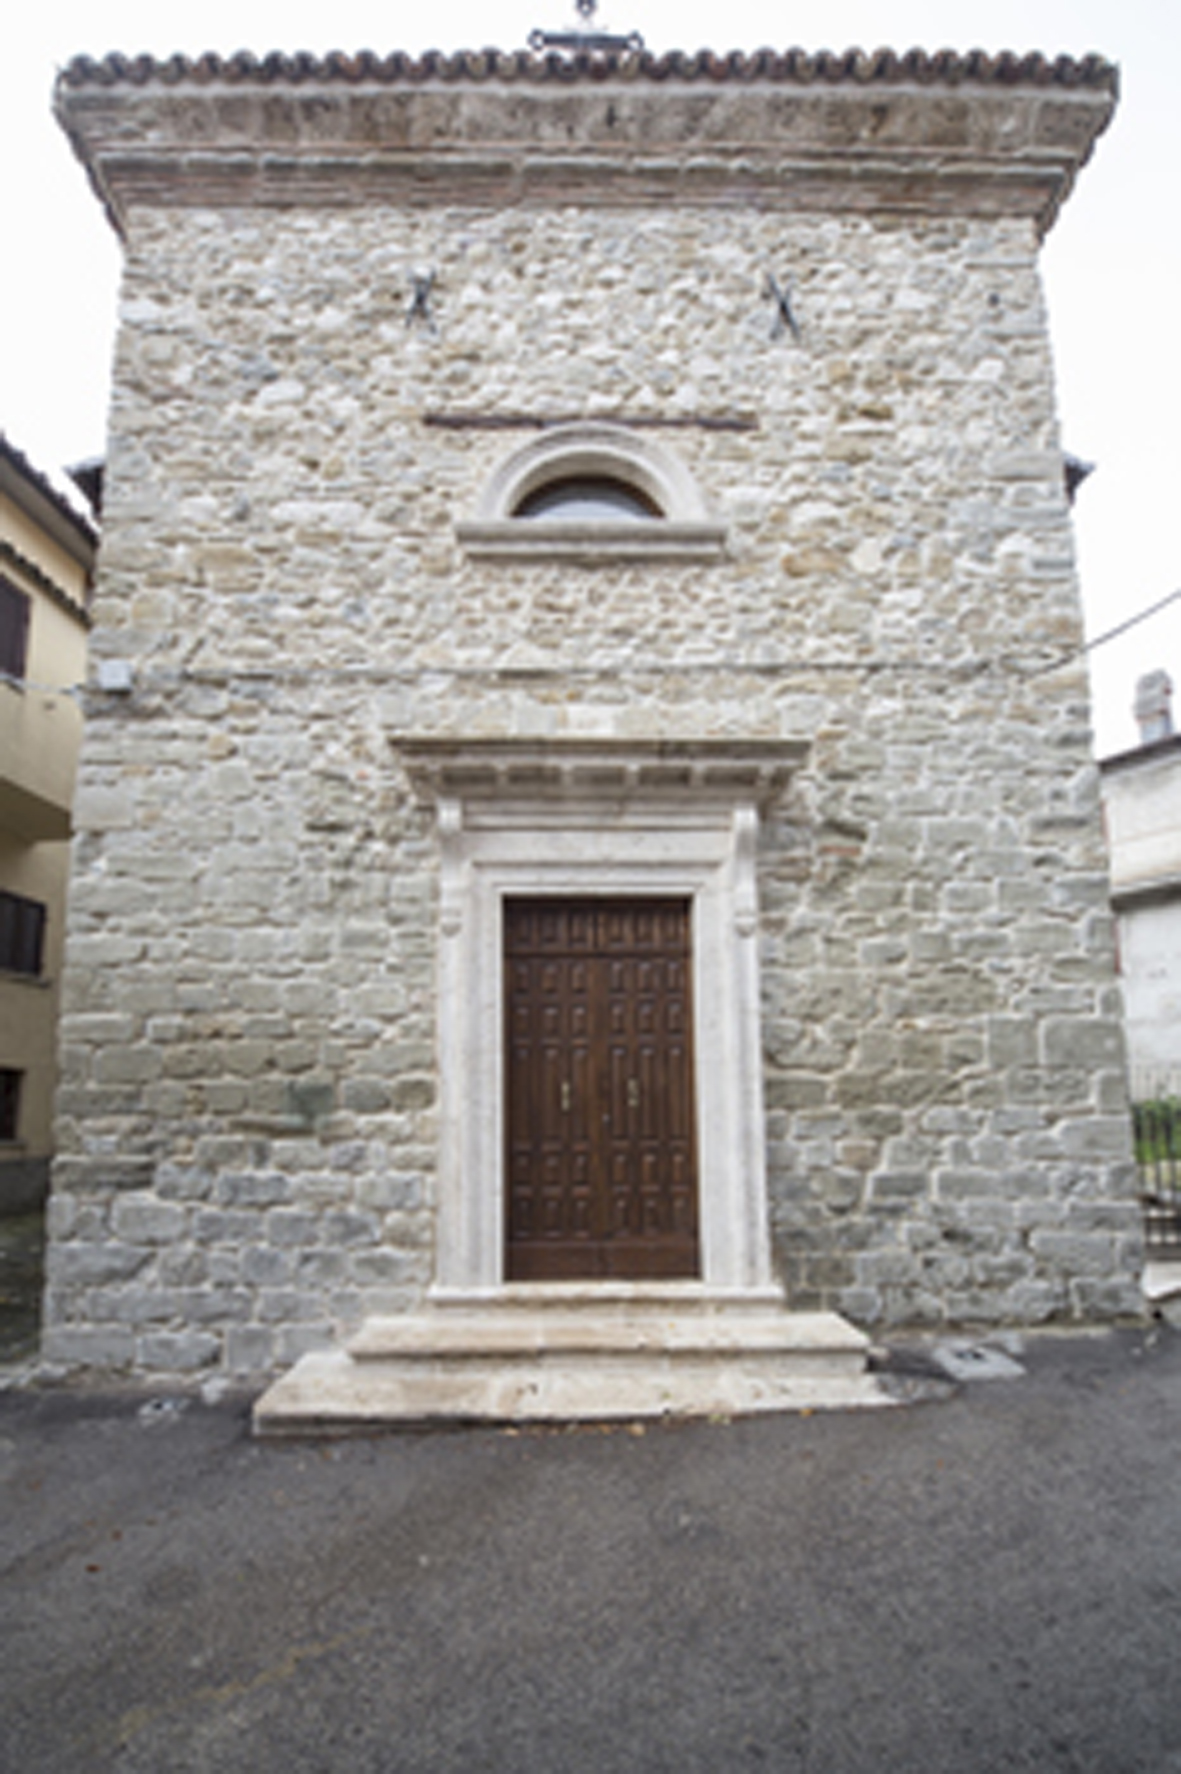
x=18 y=461
x=792 y=66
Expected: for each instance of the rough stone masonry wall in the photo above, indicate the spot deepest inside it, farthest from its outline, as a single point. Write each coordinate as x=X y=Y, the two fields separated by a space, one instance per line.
x=248 y=1111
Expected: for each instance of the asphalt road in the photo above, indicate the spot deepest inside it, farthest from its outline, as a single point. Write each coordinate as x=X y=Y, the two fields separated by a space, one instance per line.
x=989 y=1580
x=22 y=1275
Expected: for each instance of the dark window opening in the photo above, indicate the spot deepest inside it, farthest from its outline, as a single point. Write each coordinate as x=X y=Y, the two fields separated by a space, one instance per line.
x=14 y=630
x=10 y=1093
x=579 y=497
x=22 y=934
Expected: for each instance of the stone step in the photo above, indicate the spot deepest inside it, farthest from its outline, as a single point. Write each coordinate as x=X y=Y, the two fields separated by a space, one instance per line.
x=522 y=1334
x=552 y=1360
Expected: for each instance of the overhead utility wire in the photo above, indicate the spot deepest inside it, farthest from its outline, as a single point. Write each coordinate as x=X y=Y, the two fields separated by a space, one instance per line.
x=1111 y=635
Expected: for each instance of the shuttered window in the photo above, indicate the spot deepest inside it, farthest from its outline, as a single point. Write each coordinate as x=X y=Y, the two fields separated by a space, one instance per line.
x=14 y=629
x=22 y=934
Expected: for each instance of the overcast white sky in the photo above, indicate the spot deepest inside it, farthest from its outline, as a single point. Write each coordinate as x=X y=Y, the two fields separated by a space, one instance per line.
x=1112 y=264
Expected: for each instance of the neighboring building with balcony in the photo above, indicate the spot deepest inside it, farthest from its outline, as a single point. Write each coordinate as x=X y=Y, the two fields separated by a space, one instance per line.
x=47 y=552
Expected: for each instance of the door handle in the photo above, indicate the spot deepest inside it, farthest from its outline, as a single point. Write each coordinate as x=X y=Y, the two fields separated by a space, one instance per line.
x=565 y=1095
x=633 y=1093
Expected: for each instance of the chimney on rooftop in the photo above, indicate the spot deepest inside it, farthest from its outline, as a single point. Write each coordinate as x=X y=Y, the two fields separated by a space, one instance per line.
x=1153 y=706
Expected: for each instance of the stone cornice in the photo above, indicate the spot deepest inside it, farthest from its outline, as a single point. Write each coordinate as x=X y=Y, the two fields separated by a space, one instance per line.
x=475 y=770
x=911 y=135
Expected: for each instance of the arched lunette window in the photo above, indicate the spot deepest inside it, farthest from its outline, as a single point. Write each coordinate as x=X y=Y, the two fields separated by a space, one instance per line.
x=591 y=492
x=587 y=496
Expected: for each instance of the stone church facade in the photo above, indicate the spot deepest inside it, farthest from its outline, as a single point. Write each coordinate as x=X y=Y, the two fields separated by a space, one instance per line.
x=593 y=791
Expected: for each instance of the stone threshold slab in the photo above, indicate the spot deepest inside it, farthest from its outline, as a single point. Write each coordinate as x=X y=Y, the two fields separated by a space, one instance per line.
x=601 y=1297
x=514 y=1363
x=523 y=1332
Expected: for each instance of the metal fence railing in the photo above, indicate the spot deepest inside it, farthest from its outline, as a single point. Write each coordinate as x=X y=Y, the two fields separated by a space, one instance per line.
x=1157 y=1128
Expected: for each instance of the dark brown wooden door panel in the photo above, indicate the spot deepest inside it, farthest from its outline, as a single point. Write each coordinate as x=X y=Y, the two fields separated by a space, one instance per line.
x=601 y=1160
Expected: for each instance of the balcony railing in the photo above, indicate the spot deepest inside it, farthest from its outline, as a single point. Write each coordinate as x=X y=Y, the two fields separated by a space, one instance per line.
x=39 y=736
x=1157 y=1126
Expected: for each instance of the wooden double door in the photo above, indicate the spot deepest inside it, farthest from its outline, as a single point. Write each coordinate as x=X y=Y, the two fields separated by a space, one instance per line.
x=601 y=1159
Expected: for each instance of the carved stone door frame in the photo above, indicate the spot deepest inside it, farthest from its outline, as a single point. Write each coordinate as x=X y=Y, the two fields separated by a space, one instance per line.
x=664 y=820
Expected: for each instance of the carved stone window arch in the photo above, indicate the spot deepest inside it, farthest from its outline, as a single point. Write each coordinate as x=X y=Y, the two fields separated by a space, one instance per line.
x=664 y=519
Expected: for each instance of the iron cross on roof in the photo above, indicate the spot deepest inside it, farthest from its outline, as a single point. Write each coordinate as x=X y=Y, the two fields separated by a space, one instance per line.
x=587 y=38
